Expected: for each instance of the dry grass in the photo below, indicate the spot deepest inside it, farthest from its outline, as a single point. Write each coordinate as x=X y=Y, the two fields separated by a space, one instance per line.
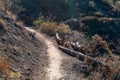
x=51 y=28
x=3 y=25
x=4 y=66
x=16 y=48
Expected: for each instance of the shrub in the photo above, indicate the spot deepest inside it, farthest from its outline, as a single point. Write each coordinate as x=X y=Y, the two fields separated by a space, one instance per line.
x=50 y=27
x=56 y=6
x=91 y=4
x=105 y=27
x=39 y=21
x=13 y=75
x=4 y=66
x=63 y=28
x=98 y=13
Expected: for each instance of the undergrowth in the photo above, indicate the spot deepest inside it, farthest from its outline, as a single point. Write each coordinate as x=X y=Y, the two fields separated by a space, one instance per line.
x=50 y=27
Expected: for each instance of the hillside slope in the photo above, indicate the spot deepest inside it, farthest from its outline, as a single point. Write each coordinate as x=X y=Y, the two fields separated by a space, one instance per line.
x=19 y=48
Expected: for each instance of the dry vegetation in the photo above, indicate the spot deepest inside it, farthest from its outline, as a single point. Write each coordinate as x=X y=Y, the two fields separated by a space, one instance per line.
x=3 y=25
x=99 y=49
x=103 y=64
x=4 y=67
x=51 y=28
x=24 y=52
x=6 y=72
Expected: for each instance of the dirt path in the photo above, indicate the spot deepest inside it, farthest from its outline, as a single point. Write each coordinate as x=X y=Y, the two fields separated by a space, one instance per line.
x=54 y=71
x=55 y=58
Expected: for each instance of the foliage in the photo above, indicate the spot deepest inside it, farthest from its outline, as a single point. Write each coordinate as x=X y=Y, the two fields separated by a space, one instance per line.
x=39 y=21
x=105 y=27
x=54 y=5
x=98 y=13
x=63 y=28
x=59 y=8
x=91 y=3
x=97 y=47
x=13 y=75
x=50 y=27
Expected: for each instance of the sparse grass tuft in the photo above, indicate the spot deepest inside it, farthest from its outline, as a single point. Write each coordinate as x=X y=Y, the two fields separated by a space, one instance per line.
x=13 y=75
x=3 y=25
x=4 y=66
x=16 y=48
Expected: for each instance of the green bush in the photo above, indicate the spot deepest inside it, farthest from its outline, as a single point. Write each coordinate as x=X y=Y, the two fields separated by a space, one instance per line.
x=55 y=5
x=105 y=27
x=51 y=28
x=58 y=8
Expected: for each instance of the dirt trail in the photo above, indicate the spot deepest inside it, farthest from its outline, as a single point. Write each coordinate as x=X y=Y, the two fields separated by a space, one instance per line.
x=54 y=71
x=55 y=58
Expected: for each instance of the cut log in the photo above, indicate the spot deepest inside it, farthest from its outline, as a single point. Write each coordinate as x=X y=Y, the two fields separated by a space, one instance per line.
x=59 y=40
x=77 y=47
x=58 y=37
x=96 y=65
x=81 y=56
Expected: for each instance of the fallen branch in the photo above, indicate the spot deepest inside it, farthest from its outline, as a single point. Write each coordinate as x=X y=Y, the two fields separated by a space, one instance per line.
x=59 y=40
x=81 y=56
x=97 y=65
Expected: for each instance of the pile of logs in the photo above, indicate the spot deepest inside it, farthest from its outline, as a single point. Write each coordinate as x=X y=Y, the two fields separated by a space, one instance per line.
x=77 y=51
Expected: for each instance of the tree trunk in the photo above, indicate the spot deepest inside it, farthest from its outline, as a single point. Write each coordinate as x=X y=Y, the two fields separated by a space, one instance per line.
x=81 y=56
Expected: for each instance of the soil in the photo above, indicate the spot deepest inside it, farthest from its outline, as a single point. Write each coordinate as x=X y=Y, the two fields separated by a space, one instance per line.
x=54 y=70
x=23 y=51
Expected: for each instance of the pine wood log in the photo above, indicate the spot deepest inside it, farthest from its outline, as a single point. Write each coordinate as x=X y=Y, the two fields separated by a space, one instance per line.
x=59 y=40
x=76 y=47
x=81 y=56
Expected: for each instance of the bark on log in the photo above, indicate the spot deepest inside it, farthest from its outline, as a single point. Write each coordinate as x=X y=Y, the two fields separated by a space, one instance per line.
x=59 y=40
x=78 y=48
x=57 y=37
x=81 y=56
